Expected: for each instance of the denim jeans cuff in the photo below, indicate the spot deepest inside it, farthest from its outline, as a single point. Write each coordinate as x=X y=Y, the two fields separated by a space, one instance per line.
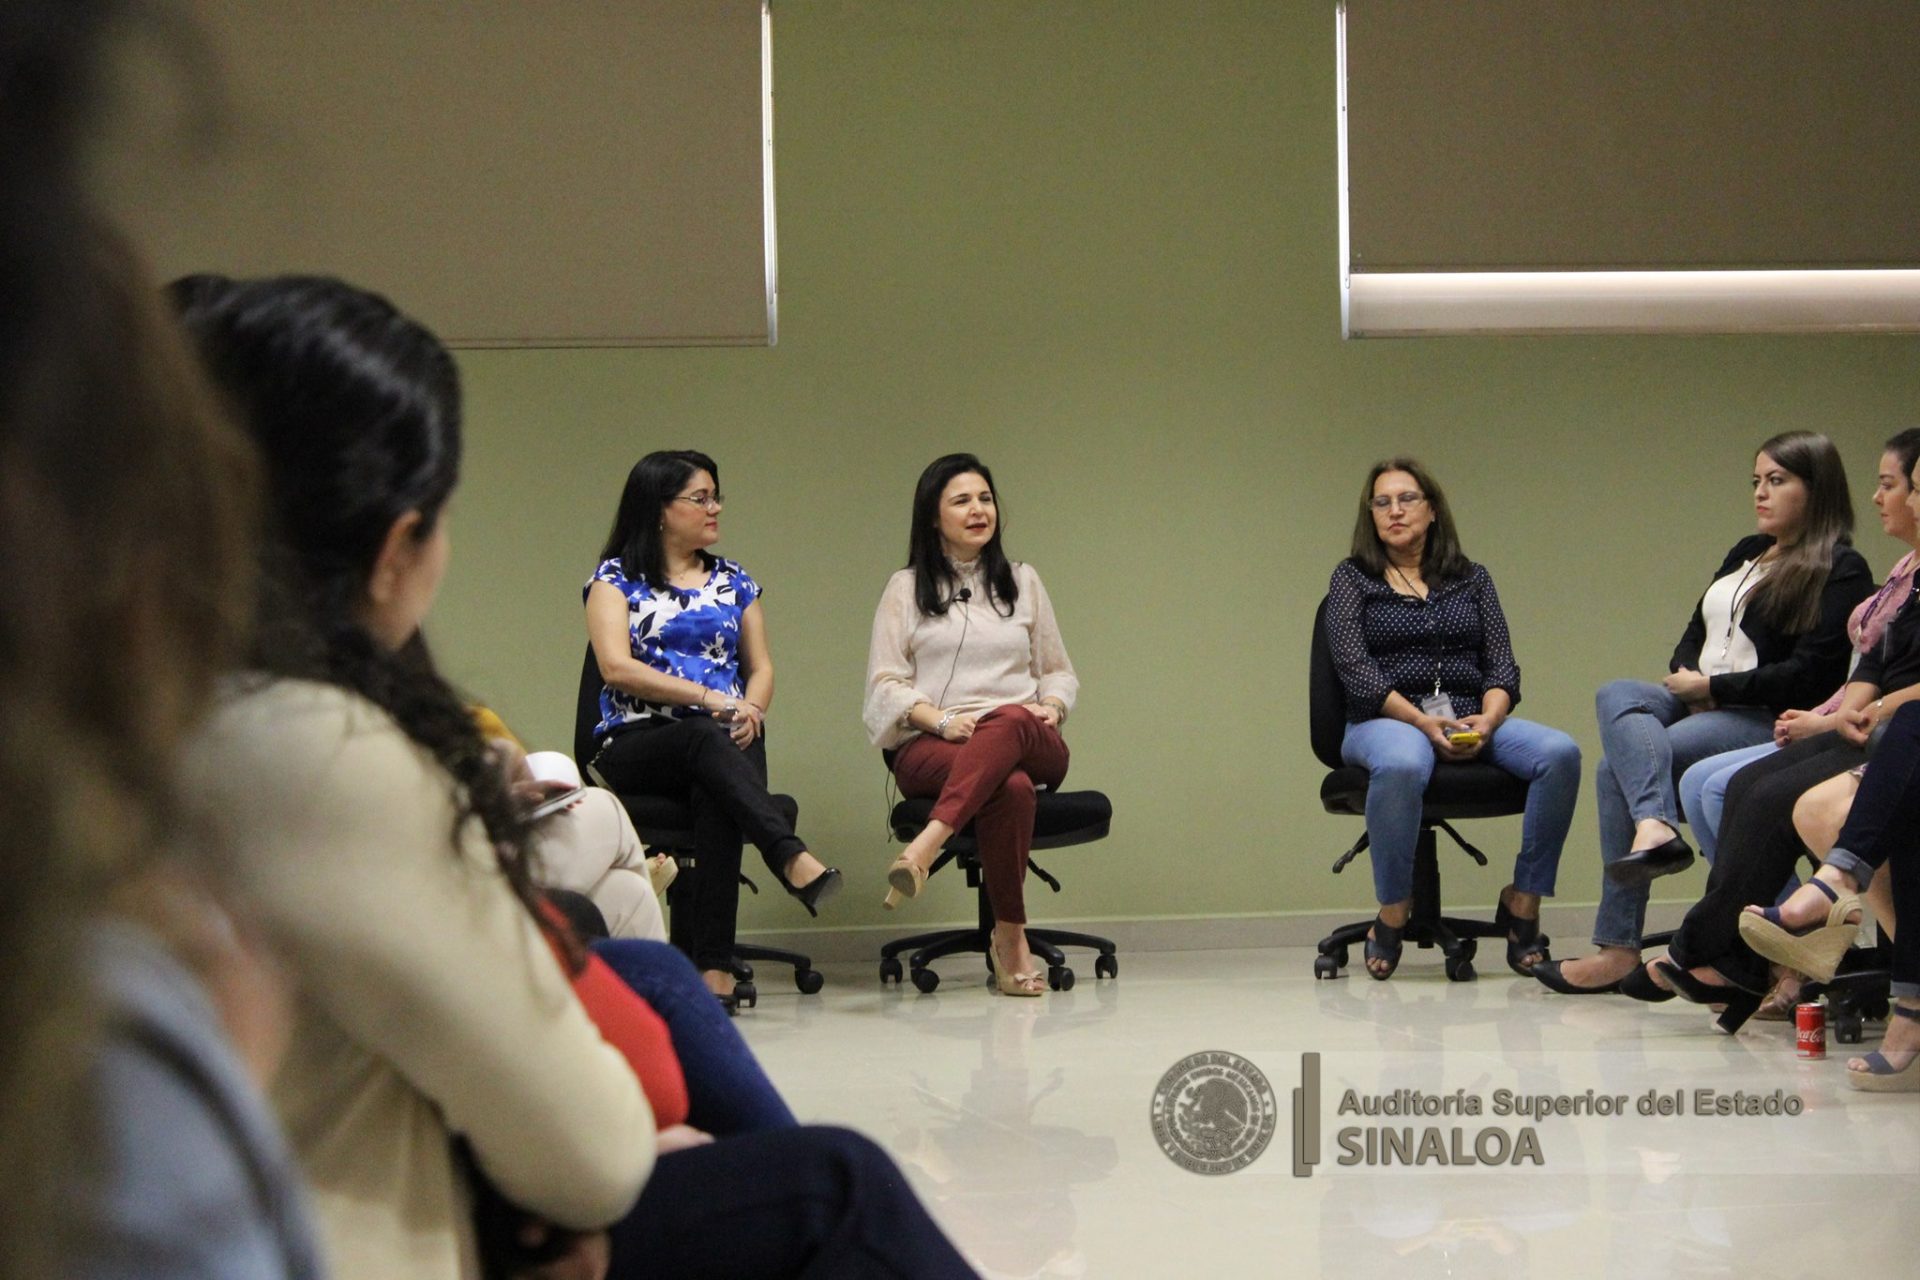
x=1904 y=990
x=1631 y=944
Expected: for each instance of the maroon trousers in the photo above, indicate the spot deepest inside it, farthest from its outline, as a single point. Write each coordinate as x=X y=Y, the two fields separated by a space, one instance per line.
x=989 y=780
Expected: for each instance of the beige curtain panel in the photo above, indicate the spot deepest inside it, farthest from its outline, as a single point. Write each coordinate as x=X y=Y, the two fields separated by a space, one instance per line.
x=550 y=173
x=1565 y=135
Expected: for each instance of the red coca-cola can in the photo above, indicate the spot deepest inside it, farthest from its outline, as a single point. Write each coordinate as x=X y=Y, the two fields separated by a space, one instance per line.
x=1810 y=1030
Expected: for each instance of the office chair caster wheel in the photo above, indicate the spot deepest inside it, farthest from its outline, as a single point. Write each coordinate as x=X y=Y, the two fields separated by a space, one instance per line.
x=1460 y=967
x=1325 y=967
x=809 y=981
x=1848 y=1029
x=1470 y=947
x=1059 y=977
x=926 y=980
x=890 y=971
x=747 y=994
x=1106 y=967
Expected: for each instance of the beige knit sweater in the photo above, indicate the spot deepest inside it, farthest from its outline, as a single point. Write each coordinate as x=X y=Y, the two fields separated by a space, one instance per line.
x=428 y=1003
x=969 y=659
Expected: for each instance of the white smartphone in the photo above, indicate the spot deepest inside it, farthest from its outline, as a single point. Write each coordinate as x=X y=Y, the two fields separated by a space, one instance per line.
x=556 y=804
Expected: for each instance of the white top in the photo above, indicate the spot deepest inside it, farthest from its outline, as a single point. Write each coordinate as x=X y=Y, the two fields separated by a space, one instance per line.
x=429 y=1004
x=1727 y=648
x=969 y=659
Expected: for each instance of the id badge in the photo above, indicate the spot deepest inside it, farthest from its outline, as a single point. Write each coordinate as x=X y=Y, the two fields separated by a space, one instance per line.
x=1439 y=706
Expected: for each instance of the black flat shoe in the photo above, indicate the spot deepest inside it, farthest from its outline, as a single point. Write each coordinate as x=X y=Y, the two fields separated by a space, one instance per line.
x=1639 y=985
x=1547 y=973
x=817 y=890
x=1643 y=866
x=1740 y=1003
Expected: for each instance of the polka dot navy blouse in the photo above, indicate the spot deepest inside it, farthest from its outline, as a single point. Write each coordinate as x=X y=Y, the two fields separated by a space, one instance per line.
x=1385 y=642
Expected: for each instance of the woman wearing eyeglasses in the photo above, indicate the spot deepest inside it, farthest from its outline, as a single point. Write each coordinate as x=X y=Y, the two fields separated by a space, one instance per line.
x=681 y=642
x=1422 y=650
x=1770 y=633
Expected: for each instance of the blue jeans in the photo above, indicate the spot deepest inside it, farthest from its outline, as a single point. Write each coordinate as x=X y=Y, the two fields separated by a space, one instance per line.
x=1703 y=798
x=1647 y=738
x=1399 y=759
x=1703 y=792
x=727 y=1092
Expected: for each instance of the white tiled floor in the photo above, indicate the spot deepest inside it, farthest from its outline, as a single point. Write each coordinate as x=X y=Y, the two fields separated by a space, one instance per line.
x=1025 y=1125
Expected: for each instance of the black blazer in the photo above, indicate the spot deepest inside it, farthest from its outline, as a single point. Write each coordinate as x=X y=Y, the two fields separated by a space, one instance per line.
x=1796 y=670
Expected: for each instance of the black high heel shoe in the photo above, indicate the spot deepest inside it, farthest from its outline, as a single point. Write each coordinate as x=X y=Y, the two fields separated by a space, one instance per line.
x=1523 y=939
x=1547 y=974
x=1643 y=866
x=1740 y=1003
x=816 y=890
x=1639 y=985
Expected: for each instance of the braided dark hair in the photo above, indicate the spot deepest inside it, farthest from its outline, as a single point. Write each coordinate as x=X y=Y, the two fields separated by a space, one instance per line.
x=356 y=411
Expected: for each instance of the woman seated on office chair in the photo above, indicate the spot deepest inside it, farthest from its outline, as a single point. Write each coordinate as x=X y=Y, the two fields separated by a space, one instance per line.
x=1769 y=634
x=968 y=685
x=1709 y=961
x=1421 y=647
x=1703 y=788
x=681 y=641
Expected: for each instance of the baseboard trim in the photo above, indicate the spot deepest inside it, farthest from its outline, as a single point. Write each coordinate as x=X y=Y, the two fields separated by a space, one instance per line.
x=1568 y=924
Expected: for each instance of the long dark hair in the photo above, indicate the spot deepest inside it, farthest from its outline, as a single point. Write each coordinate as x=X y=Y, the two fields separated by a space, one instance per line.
x=1789 y=596
x=125 y=501
x=654 y=482
x=1441 y=558
x=126 y=508
x=356 y=412
x=934 y=581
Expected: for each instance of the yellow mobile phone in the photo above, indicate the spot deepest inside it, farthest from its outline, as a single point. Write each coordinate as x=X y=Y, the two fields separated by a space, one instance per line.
x=1464 y=738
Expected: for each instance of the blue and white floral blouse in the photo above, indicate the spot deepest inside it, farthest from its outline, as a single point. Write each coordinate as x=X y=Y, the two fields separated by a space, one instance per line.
x=694 y=635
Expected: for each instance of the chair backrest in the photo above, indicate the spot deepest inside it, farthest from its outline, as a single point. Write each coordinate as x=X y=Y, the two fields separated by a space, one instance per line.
x=586 y=712
x=1326 y=697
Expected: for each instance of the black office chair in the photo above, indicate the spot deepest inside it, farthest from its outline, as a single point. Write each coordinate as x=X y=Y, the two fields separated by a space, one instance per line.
x=1457 y=790
x=1060 y=818
x=665 y=825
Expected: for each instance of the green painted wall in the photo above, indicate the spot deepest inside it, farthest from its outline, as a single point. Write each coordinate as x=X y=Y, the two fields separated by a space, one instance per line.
x=1096 y=244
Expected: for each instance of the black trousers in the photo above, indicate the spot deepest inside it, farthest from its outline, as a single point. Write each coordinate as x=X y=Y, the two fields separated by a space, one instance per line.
x=695 y=759
x=1882 y=827
x=814 y=1202
x=1758 y=849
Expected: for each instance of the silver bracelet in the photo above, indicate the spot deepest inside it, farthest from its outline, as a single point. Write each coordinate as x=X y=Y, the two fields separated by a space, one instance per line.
x=940 y=730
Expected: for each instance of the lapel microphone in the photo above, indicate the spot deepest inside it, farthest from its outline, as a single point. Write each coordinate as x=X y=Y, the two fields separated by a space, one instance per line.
x=966 y=593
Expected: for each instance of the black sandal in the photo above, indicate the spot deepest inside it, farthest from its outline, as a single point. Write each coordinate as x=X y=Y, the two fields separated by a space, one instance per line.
x=1384 y=943
x=1523 y=939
